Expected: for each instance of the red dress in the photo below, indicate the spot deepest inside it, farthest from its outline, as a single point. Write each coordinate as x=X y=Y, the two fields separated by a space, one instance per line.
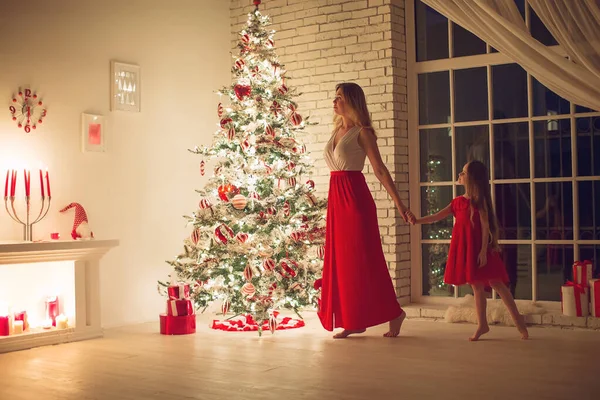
x=357 y=291
x=462 y=266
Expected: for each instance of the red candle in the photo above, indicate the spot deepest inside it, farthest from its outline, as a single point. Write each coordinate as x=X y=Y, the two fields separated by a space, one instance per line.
x=48 y=183
x=42 y=183
x=13 y=183
x=6 y=184
x=26 y=177
x=28 y=182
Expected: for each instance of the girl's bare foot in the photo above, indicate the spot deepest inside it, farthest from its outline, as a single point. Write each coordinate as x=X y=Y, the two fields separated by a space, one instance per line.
x=347 y=332
x=522 y=327
x=395 y=326
x=481 y=330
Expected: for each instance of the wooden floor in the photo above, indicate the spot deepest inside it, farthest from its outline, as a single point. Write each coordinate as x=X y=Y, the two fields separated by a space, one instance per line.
x=431 y=360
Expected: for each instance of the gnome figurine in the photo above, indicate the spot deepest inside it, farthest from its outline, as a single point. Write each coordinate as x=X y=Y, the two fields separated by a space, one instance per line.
x=81 y=229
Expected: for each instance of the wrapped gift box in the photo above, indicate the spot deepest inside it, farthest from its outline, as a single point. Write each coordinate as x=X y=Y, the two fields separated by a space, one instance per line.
x=179 y=292
x=595 y=297
x=178 y=308
x=582 y=272
x=575 y=300
x=171 y=325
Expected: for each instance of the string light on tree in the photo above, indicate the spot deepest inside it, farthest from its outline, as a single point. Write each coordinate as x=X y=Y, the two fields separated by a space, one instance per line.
x=258 y=228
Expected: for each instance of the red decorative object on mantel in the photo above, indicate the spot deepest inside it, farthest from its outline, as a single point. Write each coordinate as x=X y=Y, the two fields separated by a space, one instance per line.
x=52 y=309
x=81 y=228
x=27 y=110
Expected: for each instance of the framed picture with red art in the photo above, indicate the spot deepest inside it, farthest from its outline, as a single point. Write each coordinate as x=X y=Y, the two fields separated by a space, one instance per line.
x=93 y=133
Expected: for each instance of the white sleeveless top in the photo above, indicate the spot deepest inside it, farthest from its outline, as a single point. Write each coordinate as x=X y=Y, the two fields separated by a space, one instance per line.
x=347 y=154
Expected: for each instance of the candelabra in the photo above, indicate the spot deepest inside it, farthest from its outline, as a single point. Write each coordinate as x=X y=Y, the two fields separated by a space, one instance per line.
x=9 y=204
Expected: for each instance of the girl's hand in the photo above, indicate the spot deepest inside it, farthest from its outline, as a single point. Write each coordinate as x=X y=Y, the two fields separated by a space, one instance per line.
x=410 y=217
x=482 y=259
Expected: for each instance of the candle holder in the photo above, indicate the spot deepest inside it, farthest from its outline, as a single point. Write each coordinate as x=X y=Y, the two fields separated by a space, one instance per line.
x=27 y=222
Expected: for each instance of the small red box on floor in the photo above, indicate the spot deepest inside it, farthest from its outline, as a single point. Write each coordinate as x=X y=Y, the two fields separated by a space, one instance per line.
x=183 y=325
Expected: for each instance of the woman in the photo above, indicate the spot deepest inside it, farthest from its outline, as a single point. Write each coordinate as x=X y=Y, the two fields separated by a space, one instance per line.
x=357 y=290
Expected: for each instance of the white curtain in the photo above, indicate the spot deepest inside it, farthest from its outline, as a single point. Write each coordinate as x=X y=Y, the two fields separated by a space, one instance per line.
x=499 y=23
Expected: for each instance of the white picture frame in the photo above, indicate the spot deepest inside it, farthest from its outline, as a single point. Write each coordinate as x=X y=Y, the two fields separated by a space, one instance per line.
x=125 y=92
x=93 y=133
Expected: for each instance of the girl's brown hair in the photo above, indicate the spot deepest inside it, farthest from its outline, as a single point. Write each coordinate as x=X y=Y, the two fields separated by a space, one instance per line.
x=478 y=187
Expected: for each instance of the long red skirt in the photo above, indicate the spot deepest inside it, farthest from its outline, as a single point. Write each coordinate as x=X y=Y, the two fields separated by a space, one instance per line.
x=357 y=289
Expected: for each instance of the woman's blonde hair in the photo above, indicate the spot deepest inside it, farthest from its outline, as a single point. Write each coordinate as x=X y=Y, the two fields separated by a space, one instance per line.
x=356 y=104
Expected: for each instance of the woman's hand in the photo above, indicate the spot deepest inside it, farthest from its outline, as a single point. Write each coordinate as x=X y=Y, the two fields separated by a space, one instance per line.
x=406 y=214
x=482 y=259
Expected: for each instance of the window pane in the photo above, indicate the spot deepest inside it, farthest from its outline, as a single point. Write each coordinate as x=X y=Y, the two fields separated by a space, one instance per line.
x=588 y=146
x=539 y=30
x=554 y=210
x=434 y=98
x=589 y=212
x=436 y=155
x=554 y=263
x=465 y=43
x=511 y=150
x=470 y=95
x=472 y=143
x=581 y=110
x=517 y=259
x=513 y=210
x=434 y=265
x=433 y=200
x=509 y=91
x=432 y=33
x=546 y=102
x=552 y=148
x=588 y=252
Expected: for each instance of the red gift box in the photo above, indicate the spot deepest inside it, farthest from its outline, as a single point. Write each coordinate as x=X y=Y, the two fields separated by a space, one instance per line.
x=171 y=325
x=595 y=297
x=22 y=316
x=4 y=325
x=582 y=272
x=179 y=308
x=179 y=292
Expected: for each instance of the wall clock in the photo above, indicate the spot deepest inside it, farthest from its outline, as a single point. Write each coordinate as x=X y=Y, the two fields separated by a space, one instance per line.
x=28 y=110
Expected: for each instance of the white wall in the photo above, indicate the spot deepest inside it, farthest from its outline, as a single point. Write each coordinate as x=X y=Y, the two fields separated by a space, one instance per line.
x=138 y=191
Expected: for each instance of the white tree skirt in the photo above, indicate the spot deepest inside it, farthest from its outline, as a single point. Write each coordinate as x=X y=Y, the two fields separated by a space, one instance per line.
x=496 y=311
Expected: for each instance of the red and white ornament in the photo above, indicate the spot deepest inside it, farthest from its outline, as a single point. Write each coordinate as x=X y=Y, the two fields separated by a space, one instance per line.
x=248 y=289
x=291 y=166
x=268 y=169
x=225 y=122
x=225 y=306
x=269 y=131
x=275 y=108
x=202 y=167
x=286 y=270
x=231 y=133
x=270 y=43
x=195 y=236
x=239 y=201
x=321 y=252
x=223 y=233
x=271 y=210
x=220 y=110
x=286 y=209
x=239 y=64
x=255 y=195
x=296 y=236
x=272 y=323
x=245 y=38
x=245 y=145
x=283 y=89
x=248 y=273
x=269 y=264
x=296 y=118
x=242 y=91
x=241 y=237
x=291 y=182
x=204 y=204
x=310 y=184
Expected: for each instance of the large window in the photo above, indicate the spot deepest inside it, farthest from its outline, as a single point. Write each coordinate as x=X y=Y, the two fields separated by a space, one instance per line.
x=543 y=153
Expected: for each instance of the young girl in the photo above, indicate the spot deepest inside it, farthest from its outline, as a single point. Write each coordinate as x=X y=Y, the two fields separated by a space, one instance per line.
x=474 y=256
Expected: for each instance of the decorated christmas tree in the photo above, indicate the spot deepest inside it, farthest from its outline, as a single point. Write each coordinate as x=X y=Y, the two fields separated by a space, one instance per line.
x=257 y=237
x=438 y=253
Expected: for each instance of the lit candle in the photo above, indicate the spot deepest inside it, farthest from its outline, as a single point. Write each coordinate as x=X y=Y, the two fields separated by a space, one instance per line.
x=18 y=327
x=48 y=183
x=47 y=324
x=62 y=322
x=42 y=183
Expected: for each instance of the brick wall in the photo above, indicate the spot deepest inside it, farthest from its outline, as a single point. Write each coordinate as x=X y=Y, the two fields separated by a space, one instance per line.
x=324 y=42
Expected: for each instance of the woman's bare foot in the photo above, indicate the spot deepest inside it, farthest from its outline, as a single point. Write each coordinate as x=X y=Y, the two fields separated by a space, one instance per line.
x=522 y=327
x=395 y=326
x=347 y=332
x=481 y=330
